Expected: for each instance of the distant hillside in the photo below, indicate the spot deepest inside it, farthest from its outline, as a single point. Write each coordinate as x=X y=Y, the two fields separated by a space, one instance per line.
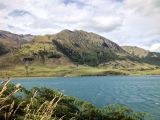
x=12 y=41
x=83 y=39
x=86 y=48
x=136 y=51
x=78 y=46
x=145 y=55
x=67 y=47
x=8 y=37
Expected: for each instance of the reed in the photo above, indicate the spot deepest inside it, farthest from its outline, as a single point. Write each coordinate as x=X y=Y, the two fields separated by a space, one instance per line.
x=8 y=108
x=44 y=111
x=4 y=104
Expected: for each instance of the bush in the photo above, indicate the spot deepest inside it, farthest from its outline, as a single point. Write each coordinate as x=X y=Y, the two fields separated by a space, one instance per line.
x=53 y=55
x=3 y=49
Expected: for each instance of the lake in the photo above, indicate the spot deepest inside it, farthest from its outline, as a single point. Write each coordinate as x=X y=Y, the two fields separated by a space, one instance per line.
x=141 y=93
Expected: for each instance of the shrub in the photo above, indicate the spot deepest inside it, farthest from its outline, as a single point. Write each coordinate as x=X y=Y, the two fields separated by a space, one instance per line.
x=53 y=55
x=3 y=49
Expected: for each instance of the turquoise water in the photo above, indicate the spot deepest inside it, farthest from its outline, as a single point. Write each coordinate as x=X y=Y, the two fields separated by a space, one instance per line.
x=139 y=93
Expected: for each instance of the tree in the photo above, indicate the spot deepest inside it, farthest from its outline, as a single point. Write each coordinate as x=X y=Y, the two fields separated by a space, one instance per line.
x=27 y=61
x=42 y=55
x=3 y=49
x=53 y=55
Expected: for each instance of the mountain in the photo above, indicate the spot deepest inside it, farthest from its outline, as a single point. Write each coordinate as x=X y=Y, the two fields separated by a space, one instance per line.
x=67 y=47
x=87 y=47
x=77 y=46
x=8 y=36
x=11 y=40
x=136 y=51
x=145 y=55
x=83 y=39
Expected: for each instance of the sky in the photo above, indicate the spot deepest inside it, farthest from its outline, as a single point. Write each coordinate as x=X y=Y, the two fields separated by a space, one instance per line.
x=126 y=22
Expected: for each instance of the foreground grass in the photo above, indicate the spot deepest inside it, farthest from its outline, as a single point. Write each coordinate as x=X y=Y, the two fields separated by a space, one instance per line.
x=18 y=103
x=72 y=70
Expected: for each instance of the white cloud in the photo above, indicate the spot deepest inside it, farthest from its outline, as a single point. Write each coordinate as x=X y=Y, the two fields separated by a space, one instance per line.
x=147 y=7
x=155 y=47
x=127 y=22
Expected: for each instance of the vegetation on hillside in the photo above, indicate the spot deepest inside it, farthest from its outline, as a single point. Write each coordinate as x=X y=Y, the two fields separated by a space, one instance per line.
x=152 y=58
x=19 y=103
x=93 y=56
x=143 y=55
x=3 y=49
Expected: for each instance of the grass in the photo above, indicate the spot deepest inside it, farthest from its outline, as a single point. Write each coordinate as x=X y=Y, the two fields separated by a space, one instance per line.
x=73 y=70
x=9 y=109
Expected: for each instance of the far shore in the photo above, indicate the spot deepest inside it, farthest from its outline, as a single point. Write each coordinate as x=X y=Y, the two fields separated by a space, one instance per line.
x=34 y=77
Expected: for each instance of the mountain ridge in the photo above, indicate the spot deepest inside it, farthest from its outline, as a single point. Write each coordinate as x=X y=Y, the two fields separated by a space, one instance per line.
x=79 y=46
x=145 y=55
x=69 y=53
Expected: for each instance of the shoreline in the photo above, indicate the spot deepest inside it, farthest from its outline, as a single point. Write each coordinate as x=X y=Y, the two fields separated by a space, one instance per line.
x=34 y=77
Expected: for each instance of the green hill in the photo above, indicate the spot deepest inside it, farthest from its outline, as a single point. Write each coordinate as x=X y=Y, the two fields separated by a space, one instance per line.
x=66 y=50
x=78 y=46
x=87 y=48
x=144 y=55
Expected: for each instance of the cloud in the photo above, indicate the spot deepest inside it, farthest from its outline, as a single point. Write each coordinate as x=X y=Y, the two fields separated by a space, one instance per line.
x=103 y=24
x=155 y=47
x=18 y=13
x=2 y=6
x=127 y=22
x=150 y=6
x=72 y=14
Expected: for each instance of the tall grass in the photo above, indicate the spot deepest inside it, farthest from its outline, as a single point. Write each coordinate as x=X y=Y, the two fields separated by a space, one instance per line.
x=44 y=112
x=8 y=108
x=4 y=100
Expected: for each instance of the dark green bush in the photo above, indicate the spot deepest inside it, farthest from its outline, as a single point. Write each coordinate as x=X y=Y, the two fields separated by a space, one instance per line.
x=3 y=49
x=53 y=55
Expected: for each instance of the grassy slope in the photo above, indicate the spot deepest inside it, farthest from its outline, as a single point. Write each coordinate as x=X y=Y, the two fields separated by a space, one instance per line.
x=72 y=70
x=145 y=55
x=136 y=51
x=64 y=66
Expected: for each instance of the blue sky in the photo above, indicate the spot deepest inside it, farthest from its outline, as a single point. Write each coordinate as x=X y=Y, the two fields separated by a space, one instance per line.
x=126 y=22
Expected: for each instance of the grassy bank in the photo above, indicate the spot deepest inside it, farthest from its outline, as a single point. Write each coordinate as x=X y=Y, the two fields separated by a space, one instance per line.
x=73 y=70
